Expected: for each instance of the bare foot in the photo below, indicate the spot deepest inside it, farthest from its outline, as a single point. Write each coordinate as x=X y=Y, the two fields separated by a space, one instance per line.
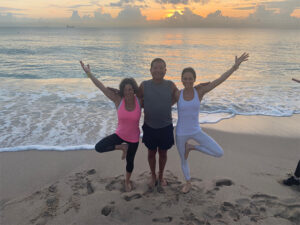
x=163 y=182
x=186 y=188
x=128 y=186
x=124 y=149
x=188 y=148
x=152 y=182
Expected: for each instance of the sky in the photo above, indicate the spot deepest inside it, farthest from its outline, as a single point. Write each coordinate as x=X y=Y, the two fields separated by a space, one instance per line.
x=143 y=13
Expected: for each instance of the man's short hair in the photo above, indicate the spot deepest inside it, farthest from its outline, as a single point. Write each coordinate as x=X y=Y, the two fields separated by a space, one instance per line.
x=158 y=60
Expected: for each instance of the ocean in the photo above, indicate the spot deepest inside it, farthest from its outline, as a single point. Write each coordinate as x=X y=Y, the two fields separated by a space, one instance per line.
x=47 y=102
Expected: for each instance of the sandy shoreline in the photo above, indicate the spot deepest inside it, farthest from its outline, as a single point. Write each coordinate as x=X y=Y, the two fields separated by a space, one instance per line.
x=79 y=187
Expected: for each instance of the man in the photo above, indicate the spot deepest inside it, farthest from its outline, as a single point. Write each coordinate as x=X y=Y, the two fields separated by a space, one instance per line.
x=158 y=96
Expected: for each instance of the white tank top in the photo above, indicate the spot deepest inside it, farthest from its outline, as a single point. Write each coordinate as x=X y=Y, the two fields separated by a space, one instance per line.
x=188 y=115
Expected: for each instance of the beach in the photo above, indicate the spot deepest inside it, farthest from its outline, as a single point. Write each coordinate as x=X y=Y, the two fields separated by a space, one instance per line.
x=85 y=187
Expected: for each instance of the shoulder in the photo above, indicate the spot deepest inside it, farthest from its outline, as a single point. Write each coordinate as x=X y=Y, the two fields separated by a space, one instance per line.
x=145 y=83
x=170 y=83
x=177 y=94
x=199 y=89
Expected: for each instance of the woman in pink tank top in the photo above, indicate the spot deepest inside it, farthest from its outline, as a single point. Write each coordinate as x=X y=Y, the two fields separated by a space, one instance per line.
x=126 y=137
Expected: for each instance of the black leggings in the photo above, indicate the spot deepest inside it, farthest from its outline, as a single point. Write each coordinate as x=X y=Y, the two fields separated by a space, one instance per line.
x=108 y=144
x=297 y=171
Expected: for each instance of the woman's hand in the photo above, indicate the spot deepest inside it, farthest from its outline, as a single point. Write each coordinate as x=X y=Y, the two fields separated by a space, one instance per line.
x=86 y=68
x=239 y=60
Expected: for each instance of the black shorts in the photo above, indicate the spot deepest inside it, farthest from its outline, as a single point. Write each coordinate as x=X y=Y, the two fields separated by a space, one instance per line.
x=162 y=138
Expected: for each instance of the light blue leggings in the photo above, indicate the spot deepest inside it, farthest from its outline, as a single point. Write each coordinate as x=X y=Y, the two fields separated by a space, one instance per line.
x=206 y=145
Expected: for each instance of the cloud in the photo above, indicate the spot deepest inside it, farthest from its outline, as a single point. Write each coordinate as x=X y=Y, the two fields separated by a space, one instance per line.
x=269 y=17
x=203 y=2
x=186 y=18
x=184 y=2
x=126 y=3
x=286 y=7
x=6 y=9
x=174 y=2
x=121 y=3
x=75 y=16
x=131 y=16
x=8 y=17
x=77 y=6
x=95 y=2
x=245 y=8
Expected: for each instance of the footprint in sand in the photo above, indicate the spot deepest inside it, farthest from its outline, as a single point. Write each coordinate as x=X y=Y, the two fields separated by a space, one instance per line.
x=144 y=211
x=191 y=218
x=90 y=189
x=167 y=219
x=80 y=183
x=224 y=182
x=91 y=172
x=51 y=203
x=263 y=196
x=290 y=212
x=116 y=183
x=232 y=210
x=106 y=210
x=134 y=196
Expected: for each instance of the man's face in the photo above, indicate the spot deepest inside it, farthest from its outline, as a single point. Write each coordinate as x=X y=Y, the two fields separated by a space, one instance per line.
x=158 y=70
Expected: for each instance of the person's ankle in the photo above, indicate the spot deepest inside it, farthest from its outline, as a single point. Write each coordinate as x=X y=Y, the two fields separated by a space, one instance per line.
x=160 y=176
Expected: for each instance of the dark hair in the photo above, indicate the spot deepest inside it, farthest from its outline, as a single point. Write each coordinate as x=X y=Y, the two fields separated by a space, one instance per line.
x=130 y=81
x=158 y=60
x=190 y=70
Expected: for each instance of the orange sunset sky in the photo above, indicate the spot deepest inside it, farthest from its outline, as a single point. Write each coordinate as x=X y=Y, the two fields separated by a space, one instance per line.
x=144 y=11
x=153 y=10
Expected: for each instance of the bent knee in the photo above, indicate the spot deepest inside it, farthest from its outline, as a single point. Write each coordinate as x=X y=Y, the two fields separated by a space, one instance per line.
x=220 y=154
x=99 y=148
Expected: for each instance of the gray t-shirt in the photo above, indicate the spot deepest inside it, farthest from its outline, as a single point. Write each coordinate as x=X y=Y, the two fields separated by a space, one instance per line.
x=157 y=103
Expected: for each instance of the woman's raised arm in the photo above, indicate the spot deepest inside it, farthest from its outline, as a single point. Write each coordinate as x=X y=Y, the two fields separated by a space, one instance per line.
x=224 y=76
x=113 y=96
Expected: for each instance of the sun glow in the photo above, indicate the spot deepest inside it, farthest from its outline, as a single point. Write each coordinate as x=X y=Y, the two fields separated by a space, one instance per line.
x=171 y=12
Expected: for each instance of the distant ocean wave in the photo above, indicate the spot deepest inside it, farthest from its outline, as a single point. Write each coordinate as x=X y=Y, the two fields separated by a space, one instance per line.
x=20 y=76
x=17 y=51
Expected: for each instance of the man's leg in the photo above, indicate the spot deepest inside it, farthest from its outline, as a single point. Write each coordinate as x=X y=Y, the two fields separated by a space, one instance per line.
x=152 y=165
x=162 y=163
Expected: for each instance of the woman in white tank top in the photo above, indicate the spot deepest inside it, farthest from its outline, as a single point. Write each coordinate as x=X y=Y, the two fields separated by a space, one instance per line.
x=188 y=106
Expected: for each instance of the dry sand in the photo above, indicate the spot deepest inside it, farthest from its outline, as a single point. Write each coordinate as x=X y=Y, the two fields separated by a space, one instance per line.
x=85 y=187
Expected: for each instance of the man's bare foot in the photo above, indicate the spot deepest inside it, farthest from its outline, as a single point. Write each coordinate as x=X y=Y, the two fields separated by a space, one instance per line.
x=186 y=188
x=124 y=150
x=188 y=148
x=163 y=182
x=128 y=186
x=152 y=182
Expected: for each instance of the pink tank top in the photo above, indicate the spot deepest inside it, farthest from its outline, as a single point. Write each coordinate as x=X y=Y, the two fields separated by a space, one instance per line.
x=128 y=122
